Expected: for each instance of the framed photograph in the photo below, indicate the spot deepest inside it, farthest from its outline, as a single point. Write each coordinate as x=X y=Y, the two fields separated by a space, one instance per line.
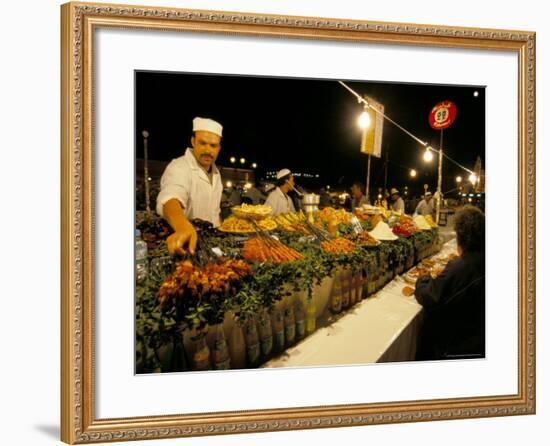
x=275 y=223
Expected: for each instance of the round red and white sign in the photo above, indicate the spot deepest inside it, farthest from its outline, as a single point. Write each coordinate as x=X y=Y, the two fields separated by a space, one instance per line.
x=442 y=115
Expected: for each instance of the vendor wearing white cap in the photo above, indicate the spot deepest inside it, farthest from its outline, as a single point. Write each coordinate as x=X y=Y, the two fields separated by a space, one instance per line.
x=191 y=187
x=398 y=204
x=278 y=199
x=426 y=205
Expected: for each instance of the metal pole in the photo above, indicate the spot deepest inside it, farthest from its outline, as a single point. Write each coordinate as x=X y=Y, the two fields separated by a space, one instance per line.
x=145 y=134
x=368 y=179
x=386 y=170
x=439 y=179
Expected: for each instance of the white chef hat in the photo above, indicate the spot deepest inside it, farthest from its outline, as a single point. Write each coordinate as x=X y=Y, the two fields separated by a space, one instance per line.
x=283 y=173
x=207 y=125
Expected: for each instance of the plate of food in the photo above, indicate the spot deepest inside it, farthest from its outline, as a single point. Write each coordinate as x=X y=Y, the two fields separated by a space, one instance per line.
x=257 y=212
x=238 y=225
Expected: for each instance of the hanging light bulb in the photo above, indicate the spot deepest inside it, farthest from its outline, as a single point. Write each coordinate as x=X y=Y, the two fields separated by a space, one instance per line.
x=473 y=178
x=459 y=179
x=412 y=173
x=364 y=120
x=428 y=155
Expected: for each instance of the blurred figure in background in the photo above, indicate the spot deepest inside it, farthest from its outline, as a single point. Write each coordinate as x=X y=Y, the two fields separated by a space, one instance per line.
x=426 y=205
x=358 y=197
x=254 y=194
x=398 y=205
x=324 y=198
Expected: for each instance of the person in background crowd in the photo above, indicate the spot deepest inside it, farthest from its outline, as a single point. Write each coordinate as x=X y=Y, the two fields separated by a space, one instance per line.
x=324 y=198
x=254 y=194
x=426 y=205
x=358 y=197
x=454 y=302
x=381 y=201
x=279 y=199
x=235 y=196
x=191 y=187
x=398 y=205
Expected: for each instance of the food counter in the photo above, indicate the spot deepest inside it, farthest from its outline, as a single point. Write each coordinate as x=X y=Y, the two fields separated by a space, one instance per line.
x=284 y=297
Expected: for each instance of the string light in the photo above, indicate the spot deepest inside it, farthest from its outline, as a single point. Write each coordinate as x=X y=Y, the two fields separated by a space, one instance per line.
x=423 y=143
x=412 y=173
x=459 y=179
x=428 y=155
x=232 y=159
x=242 y=160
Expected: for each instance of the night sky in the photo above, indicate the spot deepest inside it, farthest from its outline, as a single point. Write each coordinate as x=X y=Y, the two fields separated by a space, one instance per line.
x=310 y=125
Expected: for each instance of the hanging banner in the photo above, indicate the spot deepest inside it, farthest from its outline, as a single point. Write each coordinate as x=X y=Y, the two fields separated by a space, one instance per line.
x=442 y=115
x=371 y=140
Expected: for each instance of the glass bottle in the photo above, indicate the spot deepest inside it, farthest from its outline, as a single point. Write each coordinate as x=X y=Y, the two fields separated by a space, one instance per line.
x=290 y=324
x=311 y=317
x=237 y=348
x=252 y=343
x=201 y=356
x=300 y=317
x=278 y=330
x=346 y=289
x=266 y=334
x=336 y=296
x=220 y=354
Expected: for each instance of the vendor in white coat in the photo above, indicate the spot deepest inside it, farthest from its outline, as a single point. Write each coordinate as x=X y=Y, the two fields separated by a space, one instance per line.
x=278 y=198
x=191 y=187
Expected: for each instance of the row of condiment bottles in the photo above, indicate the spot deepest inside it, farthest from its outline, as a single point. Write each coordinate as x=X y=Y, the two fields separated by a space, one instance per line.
x=256 y=340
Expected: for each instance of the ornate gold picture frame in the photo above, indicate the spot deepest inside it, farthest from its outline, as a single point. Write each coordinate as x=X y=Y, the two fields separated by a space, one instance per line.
x=79 y=23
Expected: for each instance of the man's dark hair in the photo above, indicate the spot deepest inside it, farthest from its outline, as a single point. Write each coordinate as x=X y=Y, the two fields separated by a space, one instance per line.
x=281 y=181
x=360 y=186
x=470 y=229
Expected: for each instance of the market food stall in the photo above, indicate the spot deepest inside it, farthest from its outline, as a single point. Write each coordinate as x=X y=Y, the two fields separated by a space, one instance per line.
x=288 y=290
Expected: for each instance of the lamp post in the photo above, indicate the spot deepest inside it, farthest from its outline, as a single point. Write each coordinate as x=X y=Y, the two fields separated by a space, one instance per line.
x=145 y=135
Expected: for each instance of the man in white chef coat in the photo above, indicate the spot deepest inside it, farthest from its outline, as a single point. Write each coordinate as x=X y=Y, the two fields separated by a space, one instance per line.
x=278 y=198
x=191 y=187
x=426 y=205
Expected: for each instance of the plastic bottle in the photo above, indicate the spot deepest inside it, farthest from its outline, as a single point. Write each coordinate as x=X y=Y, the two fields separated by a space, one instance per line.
x=278 y=330
x=290 y=324
x=252 y=343
x=300 y=316
x=141 y=258
x=336 y=296
x=266 y=334
x=220 y=354
x=311 y=317
x=237 y=348
x=201 y=356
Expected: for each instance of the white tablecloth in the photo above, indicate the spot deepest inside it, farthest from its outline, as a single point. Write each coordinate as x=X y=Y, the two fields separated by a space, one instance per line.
x=381 y=328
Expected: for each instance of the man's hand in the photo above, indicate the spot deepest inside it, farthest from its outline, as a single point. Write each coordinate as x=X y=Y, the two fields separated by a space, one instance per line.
x=186 y=236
